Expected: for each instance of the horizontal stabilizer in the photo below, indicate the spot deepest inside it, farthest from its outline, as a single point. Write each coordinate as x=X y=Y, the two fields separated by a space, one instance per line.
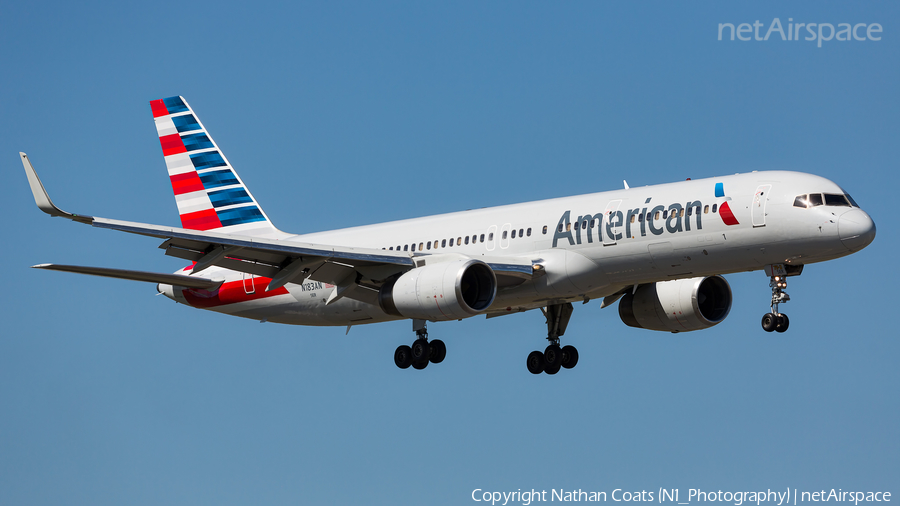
x=152 y=277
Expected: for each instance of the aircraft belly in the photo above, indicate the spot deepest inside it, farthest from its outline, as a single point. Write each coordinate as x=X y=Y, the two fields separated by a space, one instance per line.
x=625 y=261
x=568 y=273
x=311 y=304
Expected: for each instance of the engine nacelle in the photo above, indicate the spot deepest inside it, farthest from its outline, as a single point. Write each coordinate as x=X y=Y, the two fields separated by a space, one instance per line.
x=443 y=291
x=679 y=305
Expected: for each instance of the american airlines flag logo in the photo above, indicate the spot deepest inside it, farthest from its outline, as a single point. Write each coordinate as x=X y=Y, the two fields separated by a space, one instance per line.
x=724 y=209
x=208 y=192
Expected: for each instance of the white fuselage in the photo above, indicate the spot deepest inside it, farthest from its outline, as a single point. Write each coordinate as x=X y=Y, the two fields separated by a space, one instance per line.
x=591 y=246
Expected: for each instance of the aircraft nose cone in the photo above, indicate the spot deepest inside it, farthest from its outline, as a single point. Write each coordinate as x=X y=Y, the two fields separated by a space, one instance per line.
x=856 y=229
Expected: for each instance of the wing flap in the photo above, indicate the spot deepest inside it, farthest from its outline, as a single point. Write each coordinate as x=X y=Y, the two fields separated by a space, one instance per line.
x=151 y=277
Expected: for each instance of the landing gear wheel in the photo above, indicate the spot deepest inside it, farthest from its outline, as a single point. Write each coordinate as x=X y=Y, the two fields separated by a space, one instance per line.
x=569 y=356
x=535 y=362
x=783 y=323
x=420 y=353
x=769 y=322
x=420 y=350
x=438 y=351
x=403 y=357
x=553 y=357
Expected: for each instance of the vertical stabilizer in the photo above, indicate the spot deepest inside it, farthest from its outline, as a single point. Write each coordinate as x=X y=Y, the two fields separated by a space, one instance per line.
x=209 y=193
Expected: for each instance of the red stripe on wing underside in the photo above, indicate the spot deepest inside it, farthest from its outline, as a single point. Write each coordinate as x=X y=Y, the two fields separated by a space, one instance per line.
x=231 y=293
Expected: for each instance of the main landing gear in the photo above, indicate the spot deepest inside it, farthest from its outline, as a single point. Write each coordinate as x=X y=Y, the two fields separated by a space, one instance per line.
x=421 y=352
x=553 y=358
x=776 y=321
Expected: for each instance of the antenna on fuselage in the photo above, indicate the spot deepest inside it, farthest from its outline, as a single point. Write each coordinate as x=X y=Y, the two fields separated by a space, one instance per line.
x=626 y=184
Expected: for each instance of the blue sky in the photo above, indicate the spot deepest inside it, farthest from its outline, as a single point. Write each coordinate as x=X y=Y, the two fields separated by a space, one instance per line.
x=341 y=114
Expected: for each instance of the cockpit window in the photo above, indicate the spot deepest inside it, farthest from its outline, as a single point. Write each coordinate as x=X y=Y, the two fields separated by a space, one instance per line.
x=836 y=199
x=852 y=202
x=815 y=199
x=801 y=201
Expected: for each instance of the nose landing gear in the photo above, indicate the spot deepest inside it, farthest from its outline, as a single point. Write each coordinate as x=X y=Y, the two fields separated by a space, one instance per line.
x=421 y=352
x=553 y=358
x=776 y=321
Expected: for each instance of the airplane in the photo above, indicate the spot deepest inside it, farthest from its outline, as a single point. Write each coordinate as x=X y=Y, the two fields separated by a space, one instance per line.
x=659 y=251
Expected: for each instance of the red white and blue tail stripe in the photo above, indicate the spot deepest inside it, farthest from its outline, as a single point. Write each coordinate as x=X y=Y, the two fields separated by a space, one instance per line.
x=209 y=193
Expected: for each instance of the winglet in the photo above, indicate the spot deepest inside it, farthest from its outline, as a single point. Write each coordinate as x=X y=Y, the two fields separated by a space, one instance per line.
x=42 y=199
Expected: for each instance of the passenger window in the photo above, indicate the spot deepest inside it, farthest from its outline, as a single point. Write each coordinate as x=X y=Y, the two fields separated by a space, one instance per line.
x=459 y=241
x=559 y=228
x=681 y=214
x=443 y=243
x=656 y=216
x=428 y=245
x=513 y=233
x=482 y=237
x=390 y=249
x=420 y=246
x=504 y=234
x=815 y=199
x=545 y=230
x=568 y=227
x=467 y=239
x=490 y=237
x=665 y=213
x=593 y=223
x=800 y=201
x=641 y=217
x=406 y=247
x=833 y=199
x=529 y=232
x=689 y=210
x=715 y=206
x=522 y=230
x=632 y=218
x=706 y=209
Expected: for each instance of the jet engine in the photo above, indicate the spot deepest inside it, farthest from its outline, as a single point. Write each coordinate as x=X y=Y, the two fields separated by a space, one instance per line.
x=679 y=305
x=444 y=291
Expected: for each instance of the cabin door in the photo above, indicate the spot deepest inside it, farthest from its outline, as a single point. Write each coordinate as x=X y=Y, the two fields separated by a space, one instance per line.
x=758 y=206
x=610 y=216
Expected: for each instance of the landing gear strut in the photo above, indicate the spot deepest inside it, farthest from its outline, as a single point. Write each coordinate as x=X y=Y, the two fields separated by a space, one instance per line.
x=553 y=358
x=421 y=352
x=776 y=321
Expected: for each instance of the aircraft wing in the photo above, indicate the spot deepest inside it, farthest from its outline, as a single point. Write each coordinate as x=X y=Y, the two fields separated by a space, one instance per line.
x=284 y=261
